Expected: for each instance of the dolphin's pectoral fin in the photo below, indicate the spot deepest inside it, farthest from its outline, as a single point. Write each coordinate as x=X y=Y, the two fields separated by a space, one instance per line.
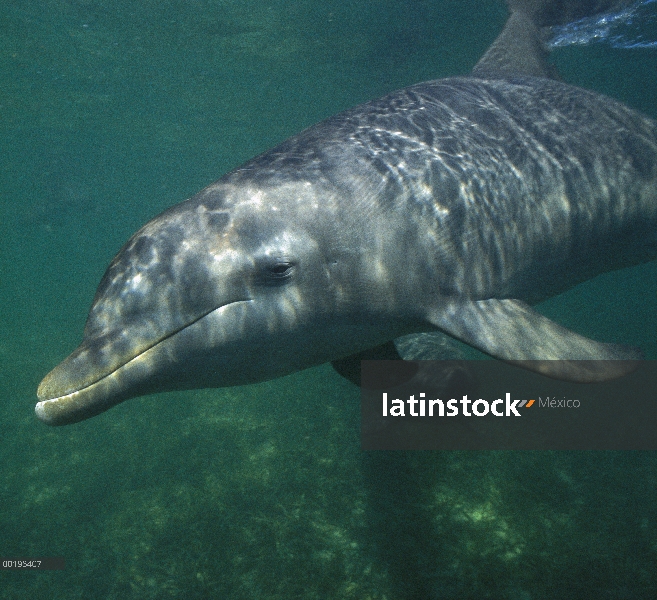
x=511 y=331
x=349 y=366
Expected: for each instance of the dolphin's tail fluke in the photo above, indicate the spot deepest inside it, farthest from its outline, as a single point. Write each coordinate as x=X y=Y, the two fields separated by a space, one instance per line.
x=547 y=13
x=533 y=26
x=627 y=26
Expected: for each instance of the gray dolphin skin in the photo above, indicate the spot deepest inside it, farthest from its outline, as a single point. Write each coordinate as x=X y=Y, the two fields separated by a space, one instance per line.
x=451 y=205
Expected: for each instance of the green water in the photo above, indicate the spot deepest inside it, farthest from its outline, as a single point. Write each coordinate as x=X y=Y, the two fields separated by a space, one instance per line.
x=111 y=112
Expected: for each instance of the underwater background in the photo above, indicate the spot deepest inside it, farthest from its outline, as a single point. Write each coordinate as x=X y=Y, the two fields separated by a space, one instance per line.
x=111 y=112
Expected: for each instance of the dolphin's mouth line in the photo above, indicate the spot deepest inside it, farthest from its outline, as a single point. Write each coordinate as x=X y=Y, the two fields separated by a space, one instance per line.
x=136 y=356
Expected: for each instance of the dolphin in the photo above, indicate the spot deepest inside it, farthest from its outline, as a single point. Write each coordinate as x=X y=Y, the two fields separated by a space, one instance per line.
x=452 y=206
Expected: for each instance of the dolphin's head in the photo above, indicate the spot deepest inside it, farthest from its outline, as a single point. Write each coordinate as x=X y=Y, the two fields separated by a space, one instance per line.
x=234 y=286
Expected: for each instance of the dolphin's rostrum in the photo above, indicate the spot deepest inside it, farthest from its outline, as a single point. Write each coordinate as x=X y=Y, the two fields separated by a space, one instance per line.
x=450 y=205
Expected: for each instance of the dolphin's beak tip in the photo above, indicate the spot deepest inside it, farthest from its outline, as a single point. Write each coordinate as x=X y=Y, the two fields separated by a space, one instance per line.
x=41 y=413
x=49 y=412
x=49 y=409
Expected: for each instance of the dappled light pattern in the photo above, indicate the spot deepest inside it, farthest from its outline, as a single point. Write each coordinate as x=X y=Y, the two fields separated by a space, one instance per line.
x=448 y=205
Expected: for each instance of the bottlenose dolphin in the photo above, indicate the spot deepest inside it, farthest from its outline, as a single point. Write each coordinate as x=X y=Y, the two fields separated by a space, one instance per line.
x=451 y=205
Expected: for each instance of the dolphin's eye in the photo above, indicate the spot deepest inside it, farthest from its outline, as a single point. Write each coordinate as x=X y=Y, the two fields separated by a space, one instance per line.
x=278 y=271
x=281 y=269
